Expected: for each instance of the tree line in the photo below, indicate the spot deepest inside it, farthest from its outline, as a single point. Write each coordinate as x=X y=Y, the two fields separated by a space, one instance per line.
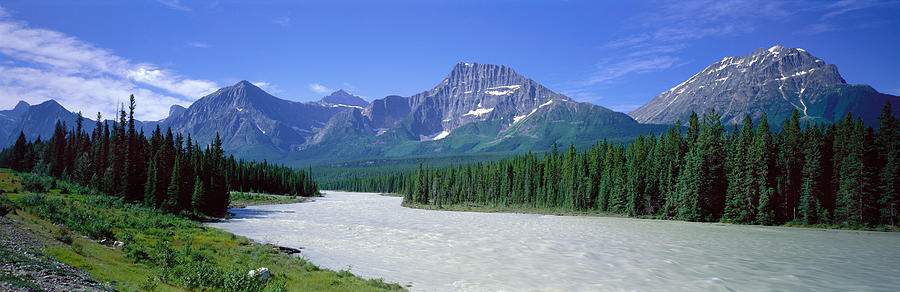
x=842 y=173
x=168 y=171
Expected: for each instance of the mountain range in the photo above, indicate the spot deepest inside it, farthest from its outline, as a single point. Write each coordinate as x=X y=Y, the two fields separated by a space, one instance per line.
x=484 y=108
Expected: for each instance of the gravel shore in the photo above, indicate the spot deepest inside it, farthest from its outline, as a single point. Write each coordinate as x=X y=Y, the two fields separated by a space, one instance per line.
x=24 y=267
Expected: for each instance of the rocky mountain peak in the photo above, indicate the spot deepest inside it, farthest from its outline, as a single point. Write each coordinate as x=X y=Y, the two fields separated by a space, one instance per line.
x=770 y=80
x=342 y=97
x=175 y=110
x=475 y=76
x=50 y=104
x=21 y=106
x=14 y=113
x=241 y=94
x=471 y=92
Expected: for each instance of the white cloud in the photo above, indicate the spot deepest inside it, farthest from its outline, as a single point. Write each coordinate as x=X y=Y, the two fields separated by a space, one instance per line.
x=349 y=87
x=583 y=94
x=84 y=77
x=844 y=9
x=283 y=21
x=268 y=87
x=817 y=28
x=148 y=74
x=198 y=44
x=657 y=37
x=88 y=95
x=611 y=70
x=175 y=5
x=846 y=6
x=320 y=89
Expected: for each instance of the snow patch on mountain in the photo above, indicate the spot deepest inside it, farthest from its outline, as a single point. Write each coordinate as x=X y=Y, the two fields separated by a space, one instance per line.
x=502 y=90
x=479 y=112
x=435 y=136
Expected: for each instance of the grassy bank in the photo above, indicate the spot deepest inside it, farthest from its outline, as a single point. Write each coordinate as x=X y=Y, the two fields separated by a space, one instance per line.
x=240 y=200
x=165 y=252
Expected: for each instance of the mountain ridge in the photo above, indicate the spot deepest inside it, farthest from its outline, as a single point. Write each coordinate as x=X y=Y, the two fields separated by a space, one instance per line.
x=482 y=108
x=775 y=81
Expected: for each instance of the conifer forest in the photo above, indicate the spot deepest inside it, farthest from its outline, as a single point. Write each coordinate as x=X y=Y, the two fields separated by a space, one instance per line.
x=163 y=170
x=842 y=173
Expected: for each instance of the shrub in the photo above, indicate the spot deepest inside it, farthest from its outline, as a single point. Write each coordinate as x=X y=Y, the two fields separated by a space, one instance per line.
x=37 y=183
x=345 y=273
x=67 y=187
x=97 y=229
x=149 y=284
x=136 y=252
x=6 y=205
x=62 y=235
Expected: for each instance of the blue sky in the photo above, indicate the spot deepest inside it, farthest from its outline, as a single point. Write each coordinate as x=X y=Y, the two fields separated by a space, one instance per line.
x=90 y=55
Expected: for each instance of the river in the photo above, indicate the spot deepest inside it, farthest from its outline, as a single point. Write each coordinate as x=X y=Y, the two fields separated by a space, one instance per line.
x=467 y=251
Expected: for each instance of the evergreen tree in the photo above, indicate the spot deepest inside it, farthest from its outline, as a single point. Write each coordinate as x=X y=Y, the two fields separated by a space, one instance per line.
x=761 y=179
x=17 y=162
x=420 y=195
x=811 y=186
x=888 y=143
x=197 y=203
x=741 y=198
x=790 y=163
x=854 y=181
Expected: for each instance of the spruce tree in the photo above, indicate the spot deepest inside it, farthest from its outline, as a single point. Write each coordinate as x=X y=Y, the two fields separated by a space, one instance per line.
x=854 y=181
x=740 y=205
x=17 y=161
x=888 y=143
x=761 y=179
x=811 y=178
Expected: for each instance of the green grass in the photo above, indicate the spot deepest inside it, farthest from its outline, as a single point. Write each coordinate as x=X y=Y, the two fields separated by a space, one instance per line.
x=166 y=252
x=9 y=182
x=884 y=228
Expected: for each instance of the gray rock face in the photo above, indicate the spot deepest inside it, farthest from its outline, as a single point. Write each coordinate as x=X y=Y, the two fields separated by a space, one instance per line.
x=251 y=121
x=176 y=110
x=9 y=123
x=470 y=93
x=35 y=121
x=341 y=97
x=775 y=80
x=475 y=108
x=16 y=112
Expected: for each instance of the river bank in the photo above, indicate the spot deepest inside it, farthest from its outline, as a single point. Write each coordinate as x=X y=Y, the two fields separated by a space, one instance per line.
x=129 y=247
x=244 y=199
